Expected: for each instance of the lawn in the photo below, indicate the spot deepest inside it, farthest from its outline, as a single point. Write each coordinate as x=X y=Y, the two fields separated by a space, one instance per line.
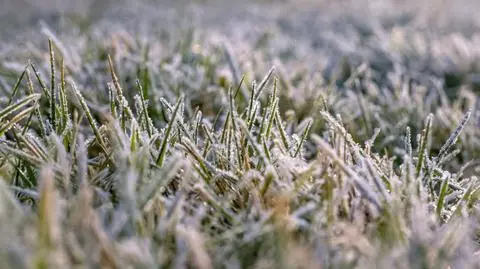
x=256 y=134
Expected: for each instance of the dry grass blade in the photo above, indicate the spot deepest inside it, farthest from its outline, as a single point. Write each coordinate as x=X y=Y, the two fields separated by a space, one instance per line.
x=200 y=257
x=49 y=226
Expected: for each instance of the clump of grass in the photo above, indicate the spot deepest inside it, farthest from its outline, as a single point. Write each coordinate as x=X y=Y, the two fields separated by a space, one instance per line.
x=171 y=163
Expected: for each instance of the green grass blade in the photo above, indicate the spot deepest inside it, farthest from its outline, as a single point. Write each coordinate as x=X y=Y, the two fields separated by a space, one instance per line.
x=63 y=99
x=423 y=144
x=304 y=137
x=32 y=98
x=38 y=113
x=283 y=134
x=441 y=196
x=146 y=117
x=91 y=120
x=40 y=81
x=264 y=82
x=53 y=95
x=20 y=116
x=16 y=86
x=454 y=136
x=164 y=146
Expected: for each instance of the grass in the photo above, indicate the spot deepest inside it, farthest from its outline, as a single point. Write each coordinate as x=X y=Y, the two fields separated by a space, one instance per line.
x=158 y=152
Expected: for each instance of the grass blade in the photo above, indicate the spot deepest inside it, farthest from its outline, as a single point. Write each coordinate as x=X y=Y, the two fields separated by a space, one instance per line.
x=441 y=196
x=91 y=120
x=16 y=86
x=32 y=98
x=304 y=137
x=53 y=117
x=164 y=146
x=20 y=116
x=423 y=144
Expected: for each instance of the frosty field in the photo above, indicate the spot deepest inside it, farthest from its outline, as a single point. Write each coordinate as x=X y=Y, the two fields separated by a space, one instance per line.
x=224 y=134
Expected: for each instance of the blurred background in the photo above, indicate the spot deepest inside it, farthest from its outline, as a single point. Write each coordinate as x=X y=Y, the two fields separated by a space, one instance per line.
x=29 y=11
x=425 y=36
x=298 y=17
